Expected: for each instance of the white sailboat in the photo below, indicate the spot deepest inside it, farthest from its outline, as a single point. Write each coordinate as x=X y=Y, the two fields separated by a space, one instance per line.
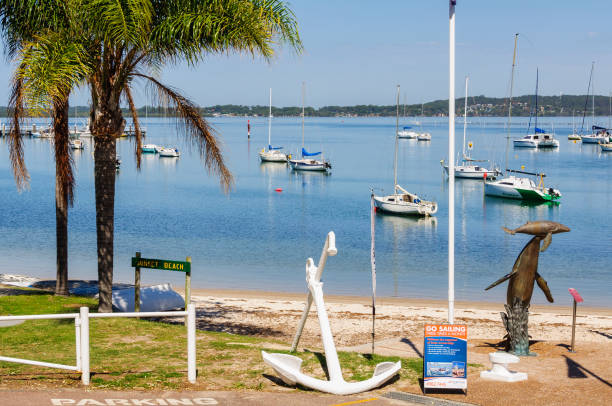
x=306 y=163
x=599 y=134
x=272 y=154
x=540 y=138
x=470 y=169
x=401 y=201
x=574 y=136
x=407 y=132
x=76 y=144
x=423 y=136
x=515 y=187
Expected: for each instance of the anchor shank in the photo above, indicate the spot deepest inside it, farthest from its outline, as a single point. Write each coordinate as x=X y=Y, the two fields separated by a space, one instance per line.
x=331 y=356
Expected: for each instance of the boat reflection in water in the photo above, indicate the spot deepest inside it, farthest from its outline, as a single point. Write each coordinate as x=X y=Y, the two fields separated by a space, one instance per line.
x=309 y=179
x=273 y=169
x=398 y=234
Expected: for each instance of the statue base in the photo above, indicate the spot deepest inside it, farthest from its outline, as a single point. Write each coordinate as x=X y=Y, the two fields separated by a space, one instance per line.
x=516 y=321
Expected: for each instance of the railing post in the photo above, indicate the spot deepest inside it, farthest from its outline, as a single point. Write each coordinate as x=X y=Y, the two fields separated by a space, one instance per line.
x=84 y=345
x=77 y=335
x=191 y=343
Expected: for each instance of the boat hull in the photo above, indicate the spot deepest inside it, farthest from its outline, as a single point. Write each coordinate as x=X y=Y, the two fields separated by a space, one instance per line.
x=394 y=205
x=312 y=165
x=472 y=172
x=589 y=139
x=512 y=192
x=606 y=147
x=272 y=156
x=525 y=144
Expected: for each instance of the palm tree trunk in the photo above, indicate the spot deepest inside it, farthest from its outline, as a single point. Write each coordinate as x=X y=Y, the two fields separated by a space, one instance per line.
x=105 y=168
x=63 y=192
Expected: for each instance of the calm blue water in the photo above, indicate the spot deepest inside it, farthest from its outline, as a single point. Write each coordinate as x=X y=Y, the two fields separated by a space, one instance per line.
x=256 y=238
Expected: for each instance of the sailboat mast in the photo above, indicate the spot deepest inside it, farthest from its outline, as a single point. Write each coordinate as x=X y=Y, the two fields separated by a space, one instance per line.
x=510 y=103
x=593 y=98
x=467 y=78
x=536 y=102
x=270 y=121
x=586 y=101
x=396 y=130
x=303 y=114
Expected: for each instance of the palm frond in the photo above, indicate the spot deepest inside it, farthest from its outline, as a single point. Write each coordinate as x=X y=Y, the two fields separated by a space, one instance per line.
x=121 y=22
x=16 y=107
x=134 y=112
x=199 y=131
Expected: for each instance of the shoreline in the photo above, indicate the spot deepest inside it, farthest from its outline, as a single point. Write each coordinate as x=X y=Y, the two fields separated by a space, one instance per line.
x=385 y=300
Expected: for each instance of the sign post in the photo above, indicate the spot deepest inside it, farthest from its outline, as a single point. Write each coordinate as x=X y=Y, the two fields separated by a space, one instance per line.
x=445 y=356
x=165 y=265
x=137 y=286
x=577 y=299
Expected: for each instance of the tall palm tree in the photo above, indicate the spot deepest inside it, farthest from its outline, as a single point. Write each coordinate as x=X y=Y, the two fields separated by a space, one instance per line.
x=20 y=23
x=125 y=42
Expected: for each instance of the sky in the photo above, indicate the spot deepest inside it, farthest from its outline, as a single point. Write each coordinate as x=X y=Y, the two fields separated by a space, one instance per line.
x=357 y=51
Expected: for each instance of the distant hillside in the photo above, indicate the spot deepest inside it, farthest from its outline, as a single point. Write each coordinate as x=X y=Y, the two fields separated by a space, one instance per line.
x=477 y=106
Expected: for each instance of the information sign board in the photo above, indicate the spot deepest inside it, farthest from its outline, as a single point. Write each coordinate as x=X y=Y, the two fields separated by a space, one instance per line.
x=445 y=356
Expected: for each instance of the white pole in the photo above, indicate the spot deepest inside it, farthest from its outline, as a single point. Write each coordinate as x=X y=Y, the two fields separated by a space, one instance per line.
x=84 y=345
x=77 y=334
x=451 y=168
x=396 y=141
x=191 y=343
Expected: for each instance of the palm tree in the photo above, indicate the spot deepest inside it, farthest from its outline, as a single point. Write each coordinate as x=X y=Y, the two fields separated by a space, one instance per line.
x=21 y=21
x=125 y=42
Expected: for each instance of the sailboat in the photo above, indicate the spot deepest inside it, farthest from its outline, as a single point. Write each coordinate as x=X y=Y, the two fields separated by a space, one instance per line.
x=401 y=201
x=599 y=134
x=469 y=168
x=516 y=187
x=574 y=136
x=406 y=131
x=306 y=163
x=272 y=154
x=423 y=136
x=540 y=138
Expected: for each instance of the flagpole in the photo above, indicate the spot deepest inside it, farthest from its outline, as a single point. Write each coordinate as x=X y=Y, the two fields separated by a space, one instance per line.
x=451 y=167
x=373 y=263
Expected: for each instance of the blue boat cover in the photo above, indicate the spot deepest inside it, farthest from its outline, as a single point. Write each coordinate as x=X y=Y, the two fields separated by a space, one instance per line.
x=270 y=147
x=539 y=130
x=596 y=127
x=306 y=153
x=407 y=127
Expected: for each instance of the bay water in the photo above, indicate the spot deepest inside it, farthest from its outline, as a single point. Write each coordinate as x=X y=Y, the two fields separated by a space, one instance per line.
x=258 y=238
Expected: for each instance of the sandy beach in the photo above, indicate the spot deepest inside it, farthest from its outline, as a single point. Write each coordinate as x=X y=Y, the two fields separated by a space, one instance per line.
x=556 y=376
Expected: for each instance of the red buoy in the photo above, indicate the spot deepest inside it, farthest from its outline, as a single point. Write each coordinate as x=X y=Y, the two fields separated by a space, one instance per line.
x=278 y=189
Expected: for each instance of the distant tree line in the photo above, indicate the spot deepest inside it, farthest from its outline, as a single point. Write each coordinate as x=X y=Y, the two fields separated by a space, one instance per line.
x=565 y=105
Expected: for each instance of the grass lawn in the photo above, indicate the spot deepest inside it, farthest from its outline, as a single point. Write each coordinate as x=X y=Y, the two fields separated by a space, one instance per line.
x=145 y=354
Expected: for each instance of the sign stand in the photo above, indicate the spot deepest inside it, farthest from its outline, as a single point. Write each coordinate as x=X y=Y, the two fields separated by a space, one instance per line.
x=577 y=299
x=445 y=357
x=165 y=265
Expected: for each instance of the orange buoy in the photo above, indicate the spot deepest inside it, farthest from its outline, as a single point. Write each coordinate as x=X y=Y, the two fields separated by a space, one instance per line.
x=278 y=189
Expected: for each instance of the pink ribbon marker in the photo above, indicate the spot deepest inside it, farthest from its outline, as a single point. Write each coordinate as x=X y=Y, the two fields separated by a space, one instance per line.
x=576 y=295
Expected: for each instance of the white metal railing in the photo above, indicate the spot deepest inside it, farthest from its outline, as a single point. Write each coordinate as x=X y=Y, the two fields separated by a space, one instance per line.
x=81 y=323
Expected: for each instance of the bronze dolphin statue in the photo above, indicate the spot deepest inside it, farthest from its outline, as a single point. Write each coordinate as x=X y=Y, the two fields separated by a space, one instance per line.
x=525 y=270
x=542 y=229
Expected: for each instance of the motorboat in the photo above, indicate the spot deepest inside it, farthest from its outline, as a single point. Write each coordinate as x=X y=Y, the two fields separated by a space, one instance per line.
x=169 y=152
x=521 y=188
x=76 y=144
x=540 y=139
x=424 y=137
x=149 y=148
x=407 y=133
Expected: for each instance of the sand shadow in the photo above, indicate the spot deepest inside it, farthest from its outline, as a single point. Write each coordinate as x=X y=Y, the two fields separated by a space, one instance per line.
x=412 y=345
x=576 y=370
x=601 y=333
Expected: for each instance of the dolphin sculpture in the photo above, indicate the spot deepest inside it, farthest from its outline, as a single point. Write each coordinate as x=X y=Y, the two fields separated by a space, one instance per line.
x=525 y=270
x=543 y=229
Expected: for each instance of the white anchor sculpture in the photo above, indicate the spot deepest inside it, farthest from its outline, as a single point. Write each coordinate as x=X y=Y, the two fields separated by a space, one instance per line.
x=288 y=366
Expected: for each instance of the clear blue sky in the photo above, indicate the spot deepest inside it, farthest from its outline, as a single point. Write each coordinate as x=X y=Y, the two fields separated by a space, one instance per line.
x=356 y=51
